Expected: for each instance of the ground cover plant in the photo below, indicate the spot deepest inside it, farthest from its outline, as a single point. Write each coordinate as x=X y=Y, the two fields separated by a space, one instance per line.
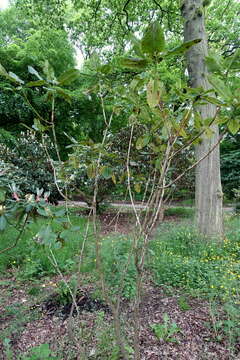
x=182 y=258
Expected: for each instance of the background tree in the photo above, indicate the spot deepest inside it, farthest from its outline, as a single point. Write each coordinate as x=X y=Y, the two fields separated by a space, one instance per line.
x=208 y=179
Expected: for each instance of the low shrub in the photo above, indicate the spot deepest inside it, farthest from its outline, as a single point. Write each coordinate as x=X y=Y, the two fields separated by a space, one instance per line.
x=182 y=212
x=33 y=259
x=26 y=164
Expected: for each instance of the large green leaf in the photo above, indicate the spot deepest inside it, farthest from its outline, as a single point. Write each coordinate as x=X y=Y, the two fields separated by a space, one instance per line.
x=223 y=90
x=49 y=71
x=153 y=41
x=134 y=63
x=2 y=195
x=42 y=212
x=142 y=141
x=106 y=172
x=213 y=64
x=13 y=77
x=3 y=223
x=153 y=93
x=105 y=69
x=213 y=100
x=46 y=235
x=36 y=83
x=91 y=171
x=137 y=47
x=233 y=62
x=37 y=125
x=181 y=49
x=137 y=188
x=234 y=126
x=34 y=72
x=68 y=77
x=62 y=93
x=3 y=72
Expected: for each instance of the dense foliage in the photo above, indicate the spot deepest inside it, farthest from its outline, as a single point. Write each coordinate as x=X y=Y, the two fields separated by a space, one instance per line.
x=24 y=163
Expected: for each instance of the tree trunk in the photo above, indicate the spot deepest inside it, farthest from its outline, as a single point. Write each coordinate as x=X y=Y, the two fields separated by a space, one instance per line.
x=208 y=193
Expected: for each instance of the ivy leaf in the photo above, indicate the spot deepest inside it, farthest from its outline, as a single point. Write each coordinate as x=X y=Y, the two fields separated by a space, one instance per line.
x=153 y=41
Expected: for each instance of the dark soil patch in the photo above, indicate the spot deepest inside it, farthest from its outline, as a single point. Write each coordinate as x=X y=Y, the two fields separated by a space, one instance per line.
x=61 y=306
x=124 y=222
x=116 y=222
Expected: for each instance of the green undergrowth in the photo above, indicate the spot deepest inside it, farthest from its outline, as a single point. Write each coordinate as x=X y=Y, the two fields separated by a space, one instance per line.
x=177 y=257
x=181 y=258
x=31 y=258
x=182 y=212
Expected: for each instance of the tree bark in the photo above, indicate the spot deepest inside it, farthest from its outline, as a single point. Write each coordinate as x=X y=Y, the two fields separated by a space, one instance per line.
x=208 y=193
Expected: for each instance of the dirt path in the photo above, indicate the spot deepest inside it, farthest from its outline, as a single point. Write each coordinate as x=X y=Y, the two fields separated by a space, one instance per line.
x=138 y=205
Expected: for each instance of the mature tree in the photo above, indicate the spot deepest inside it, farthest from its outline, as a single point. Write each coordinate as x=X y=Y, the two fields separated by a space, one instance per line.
x=208 y=180
x=104 y=27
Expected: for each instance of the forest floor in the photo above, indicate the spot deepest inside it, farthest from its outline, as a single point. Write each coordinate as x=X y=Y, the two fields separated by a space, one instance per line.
x=31 y=324
x=173 y=324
